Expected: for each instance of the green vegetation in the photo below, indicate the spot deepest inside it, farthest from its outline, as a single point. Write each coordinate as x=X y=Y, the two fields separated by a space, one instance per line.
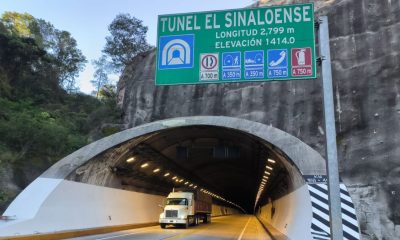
x=42 y=117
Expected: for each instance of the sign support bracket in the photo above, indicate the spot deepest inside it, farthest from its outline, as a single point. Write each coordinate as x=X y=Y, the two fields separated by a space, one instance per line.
x=330 y=133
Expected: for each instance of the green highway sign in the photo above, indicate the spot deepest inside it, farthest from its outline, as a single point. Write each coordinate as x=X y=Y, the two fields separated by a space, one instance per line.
x=240 y=45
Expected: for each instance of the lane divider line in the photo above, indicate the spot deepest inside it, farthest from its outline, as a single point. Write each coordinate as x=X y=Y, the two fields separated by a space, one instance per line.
x=244 y=229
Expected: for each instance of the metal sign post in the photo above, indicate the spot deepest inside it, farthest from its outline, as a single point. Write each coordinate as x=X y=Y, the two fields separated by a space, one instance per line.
x=330 y=132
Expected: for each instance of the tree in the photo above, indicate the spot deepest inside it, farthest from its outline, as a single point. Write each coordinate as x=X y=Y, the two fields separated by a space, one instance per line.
x=100 y=76
x=128 y=38
x=48 y=33
x=108 y=93
x=60 y=46
x=68 y=58
x=19 y=24
x=22 y=25
x=3 y=29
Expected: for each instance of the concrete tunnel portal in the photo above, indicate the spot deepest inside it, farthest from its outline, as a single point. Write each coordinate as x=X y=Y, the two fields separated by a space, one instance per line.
x=244 y=165
x=228 y=163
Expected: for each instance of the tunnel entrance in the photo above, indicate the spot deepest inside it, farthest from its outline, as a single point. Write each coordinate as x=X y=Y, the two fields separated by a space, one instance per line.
x=233 y=165
x=121 y=179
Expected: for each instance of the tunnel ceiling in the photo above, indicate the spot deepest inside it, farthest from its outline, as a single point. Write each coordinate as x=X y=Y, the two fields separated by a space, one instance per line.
x=224 y=161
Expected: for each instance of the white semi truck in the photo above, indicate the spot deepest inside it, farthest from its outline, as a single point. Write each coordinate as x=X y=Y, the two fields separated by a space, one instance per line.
x=184 y=207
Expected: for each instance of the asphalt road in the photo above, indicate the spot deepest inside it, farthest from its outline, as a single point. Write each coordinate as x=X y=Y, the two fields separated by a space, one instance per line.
x=238 y=227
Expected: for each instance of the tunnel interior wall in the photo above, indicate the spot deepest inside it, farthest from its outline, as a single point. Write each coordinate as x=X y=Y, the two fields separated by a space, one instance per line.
x=288 y=217
x=76 y=206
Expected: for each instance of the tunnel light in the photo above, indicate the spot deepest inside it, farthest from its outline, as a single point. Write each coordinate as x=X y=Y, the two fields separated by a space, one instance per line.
x=195 y=187
x=144 y=165
x=156 y=170
x=268 y=173
x=271 y=161
x=131 y=159
x=270 y=168
x=186 y=183
x=265 y=177
x=166 y=175
x=191 y=185
x=181 y=180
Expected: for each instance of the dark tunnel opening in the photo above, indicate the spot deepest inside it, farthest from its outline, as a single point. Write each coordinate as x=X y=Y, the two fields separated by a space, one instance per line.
x=232 y=166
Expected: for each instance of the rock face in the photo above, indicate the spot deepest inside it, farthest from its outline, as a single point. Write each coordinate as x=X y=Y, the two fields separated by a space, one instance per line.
x=365 y=49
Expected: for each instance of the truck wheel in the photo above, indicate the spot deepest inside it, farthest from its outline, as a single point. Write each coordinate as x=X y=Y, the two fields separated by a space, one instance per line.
x=207 y=219
x=162 y=225
x=195 y=221
x=186 y=225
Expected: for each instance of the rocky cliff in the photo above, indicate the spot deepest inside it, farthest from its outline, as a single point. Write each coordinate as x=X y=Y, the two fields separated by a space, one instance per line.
x=365 y=48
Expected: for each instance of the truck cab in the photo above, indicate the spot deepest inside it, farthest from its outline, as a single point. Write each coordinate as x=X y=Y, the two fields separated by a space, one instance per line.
x=184 y=208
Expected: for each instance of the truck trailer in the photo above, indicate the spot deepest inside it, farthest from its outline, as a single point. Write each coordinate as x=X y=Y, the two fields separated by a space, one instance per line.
x=186 y=207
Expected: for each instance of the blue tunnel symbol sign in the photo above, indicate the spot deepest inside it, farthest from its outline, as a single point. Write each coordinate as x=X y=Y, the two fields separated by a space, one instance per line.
x=176 y=51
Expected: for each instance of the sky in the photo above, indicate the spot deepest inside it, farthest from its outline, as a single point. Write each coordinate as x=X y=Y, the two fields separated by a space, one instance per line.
x=87 y=20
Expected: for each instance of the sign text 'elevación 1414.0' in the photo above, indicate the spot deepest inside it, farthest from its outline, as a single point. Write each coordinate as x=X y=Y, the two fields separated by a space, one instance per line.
x=241 y=45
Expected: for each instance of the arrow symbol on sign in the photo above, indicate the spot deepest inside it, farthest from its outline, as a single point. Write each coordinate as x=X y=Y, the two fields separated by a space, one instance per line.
x=211 y=61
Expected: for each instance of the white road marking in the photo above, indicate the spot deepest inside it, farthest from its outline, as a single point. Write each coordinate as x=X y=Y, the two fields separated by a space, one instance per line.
x=127 y=234
x=244 y=229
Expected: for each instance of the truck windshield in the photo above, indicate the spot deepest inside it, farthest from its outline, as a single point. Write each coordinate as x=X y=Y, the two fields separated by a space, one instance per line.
x=176 y=201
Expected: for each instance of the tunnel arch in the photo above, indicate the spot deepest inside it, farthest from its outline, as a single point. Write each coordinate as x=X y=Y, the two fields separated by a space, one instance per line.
x=306 y=159
x=293 y=211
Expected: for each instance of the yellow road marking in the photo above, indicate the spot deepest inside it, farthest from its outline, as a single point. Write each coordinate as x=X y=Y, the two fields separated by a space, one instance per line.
x=244 y=229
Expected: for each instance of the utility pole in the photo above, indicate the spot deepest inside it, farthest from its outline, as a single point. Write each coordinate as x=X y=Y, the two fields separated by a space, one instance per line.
x=330 y=132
